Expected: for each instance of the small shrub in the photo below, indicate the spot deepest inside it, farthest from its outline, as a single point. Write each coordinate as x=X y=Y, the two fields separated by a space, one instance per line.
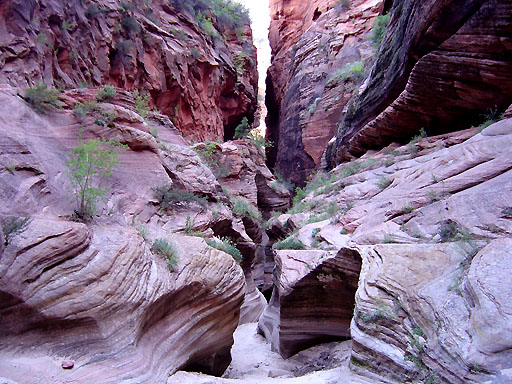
x=166 y=250
x=313 y=106
x=379 y=29
x=407 y=209
x=11 y=168
x=105 y=118
x=226 y=245
x=315 y=232
x=343 y=231
x=507 y=211
x=141 y=103
x=290 y=243
x=106 y=93
x=300 y=194
x=206 y=153
x=350 y=72
x=66 y=25
x=130 y=24
x=41 y=98
x=242 y=129
x=90 y=162
x=241 y=207
x=383 y=182
x=13 y=226
x=154 y=132
x=81 y=110
x=143 y=231
x=168 y=198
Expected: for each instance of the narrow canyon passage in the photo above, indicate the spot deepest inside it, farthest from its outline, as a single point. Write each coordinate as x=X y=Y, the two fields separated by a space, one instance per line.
x=157 y=228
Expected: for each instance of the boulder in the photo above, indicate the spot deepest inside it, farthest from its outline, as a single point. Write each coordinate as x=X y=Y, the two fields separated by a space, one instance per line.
x=313 y=299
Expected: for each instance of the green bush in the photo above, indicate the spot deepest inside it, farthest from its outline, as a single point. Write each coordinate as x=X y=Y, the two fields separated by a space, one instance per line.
x=379 y=29
x=241 y=207
x=169 y=198
x=90 y=162
x=106 y=93
x=41 y=98
x=130 y=24
x=141 y=103
x=383 y=182
x=350 y=72
x=242 y=129
x=226 y=14
x=13 y=226
x=290 y=243
x=166 y=250
x=225 y=244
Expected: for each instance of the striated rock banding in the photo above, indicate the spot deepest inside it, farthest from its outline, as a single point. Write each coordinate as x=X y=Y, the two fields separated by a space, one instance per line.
x=98 y=297
x=190 y=76
x=313 y=299
x=431 y=74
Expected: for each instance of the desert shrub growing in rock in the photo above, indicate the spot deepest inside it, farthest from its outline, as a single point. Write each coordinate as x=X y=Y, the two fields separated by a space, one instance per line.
x=90 y=162
x=225 y=244
x=41 y=98
x=227 y=14
x=379 y=29
x=170 y=198
x=106 y=93
x=350 y=72
x=241 y=207
x=166 y=250
x=13 y=226
x=141 y=103
x=243 y=129
x=290 y=243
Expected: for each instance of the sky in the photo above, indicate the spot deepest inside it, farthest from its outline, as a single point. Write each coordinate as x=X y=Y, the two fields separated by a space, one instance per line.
x=260 y=17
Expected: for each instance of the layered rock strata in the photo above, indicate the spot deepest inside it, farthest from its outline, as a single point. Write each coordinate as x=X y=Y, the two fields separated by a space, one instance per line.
x=432 y=224
x=98 y=294
x=312 y=43
x=431 y=74
x=313 y=299
x=205 y=82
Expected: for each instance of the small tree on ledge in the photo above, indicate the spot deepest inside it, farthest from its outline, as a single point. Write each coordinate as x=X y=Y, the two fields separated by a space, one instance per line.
x=90 y=162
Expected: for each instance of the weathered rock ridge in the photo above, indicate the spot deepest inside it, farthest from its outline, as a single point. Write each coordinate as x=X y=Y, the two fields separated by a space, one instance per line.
x=312 y=41
x=98 y=294
x=431 y=222
x=431 y=73
x=205 y=84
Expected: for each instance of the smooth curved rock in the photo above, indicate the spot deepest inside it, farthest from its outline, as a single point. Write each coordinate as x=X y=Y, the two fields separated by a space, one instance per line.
x=313 y=299
x=110 y=303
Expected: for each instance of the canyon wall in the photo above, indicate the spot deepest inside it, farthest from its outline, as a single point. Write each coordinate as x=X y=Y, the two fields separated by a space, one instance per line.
x=204 y=78
x=443 y=66
x=312 y=43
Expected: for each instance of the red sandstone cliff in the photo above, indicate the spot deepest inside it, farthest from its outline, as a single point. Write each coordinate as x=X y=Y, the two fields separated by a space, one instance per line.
x=312 y=41
x=205 y=83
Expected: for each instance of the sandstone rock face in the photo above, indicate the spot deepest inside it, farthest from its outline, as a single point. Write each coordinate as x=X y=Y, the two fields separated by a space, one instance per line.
x=431 y=74
x=311 y=42
x=97 y=294
x=432 y=224
x=205 y=84
x=312 y=299
x=241 y=170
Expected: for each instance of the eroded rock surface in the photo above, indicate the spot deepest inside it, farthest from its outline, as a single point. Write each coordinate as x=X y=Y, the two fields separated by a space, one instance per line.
x=431 y=74
x=432 y=224
x=311 y=42
x=97 y=294
x=312 y=300
x=205 y=84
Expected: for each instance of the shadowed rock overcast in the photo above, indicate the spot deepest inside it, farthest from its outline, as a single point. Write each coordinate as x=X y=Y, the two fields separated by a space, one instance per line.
x=150 y=233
